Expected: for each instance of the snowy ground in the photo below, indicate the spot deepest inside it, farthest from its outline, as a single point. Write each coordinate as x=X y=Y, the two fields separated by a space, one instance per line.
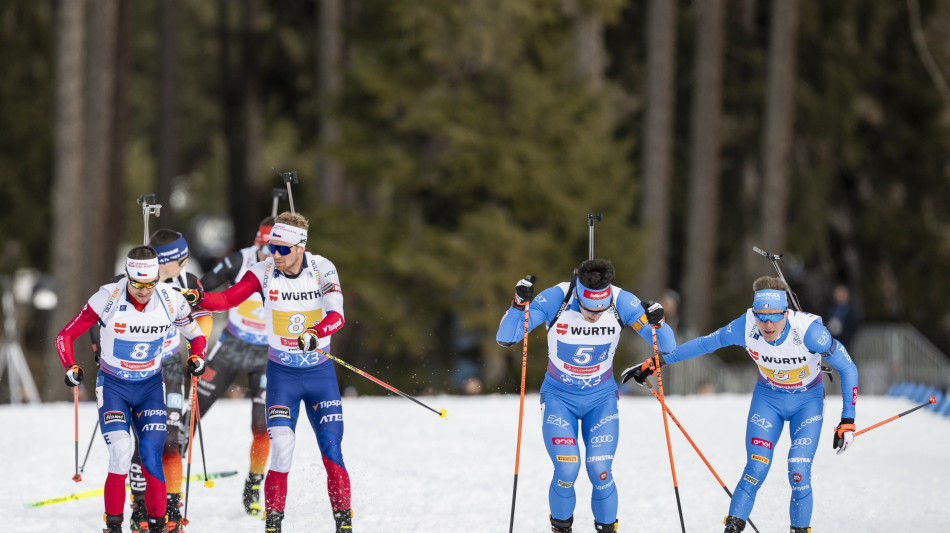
x=414 y=472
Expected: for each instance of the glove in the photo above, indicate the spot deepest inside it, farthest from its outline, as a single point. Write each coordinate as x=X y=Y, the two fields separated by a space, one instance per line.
x=196 y=365
x=193 y=296
x=307 y=341
x=642 y=372
x=74 y=376
x=524 y=292
x=844 y=435
x=654 y=311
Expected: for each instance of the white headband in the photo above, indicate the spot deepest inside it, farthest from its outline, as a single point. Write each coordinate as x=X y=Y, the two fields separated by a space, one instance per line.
x=286 y=233
x=142 y=269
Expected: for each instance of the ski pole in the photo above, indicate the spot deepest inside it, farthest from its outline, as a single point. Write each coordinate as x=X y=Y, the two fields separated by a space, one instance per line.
x=89 y=449
x=201 y=441
x=666 y=426
x=288 y=177
x=440 y=412
x=191 y=436
x=701 y=456
x=895 y=417
x=77 y=478
x=524 y=370
x=591 y=218
x=148 y=209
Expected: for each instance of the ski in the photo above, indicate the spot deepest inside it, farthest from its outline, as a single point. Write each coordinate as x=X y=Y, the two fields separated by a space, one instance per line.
x=100 y=491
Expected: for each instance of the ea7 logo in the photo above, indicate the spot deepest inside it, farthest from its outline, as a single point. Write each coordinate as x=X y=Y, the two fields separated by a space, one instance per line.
x=272 y=294
x=760 y=421
x=557 y=421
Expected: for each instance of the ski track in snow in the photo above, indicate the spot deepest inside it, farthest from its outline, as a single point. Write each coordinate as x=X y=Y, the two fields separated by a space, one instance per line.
x=414 y=472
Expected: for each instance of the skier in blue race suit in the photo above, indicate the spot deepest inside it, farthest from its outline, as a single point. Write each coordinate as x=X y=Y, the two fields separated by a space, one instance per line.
x=584 y=318
x=788 y=347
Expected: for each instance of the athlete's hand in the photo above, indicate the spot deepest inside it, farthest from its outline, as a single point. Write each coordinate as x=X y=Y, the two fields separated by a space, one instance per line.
x=642 y=372
x=654 y=312
x=74 y=376
x=193 y=296
x=524 y=292
x=844 y=435
x=309 y=339
x=196 y=365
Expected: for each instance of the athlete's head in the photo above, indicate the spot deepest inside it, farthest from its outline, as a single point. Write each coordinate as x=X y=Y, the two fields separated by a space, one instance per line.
x=593 y=292
x=172 y=252
x=263 y=232
x=287 y=241
x=770 y=306
x=141 y=271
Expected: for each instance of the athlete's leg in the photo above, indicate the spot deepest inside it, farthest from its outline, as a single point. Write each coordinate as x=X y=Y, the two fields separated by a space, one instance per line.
x=172 y=373
x=148 y=422
x=260 y=444
x=114 y=415
x=600 y=429
x=325 y=412
x=805 y=425
x=283 y=406
x=559 y=430
x=763 y=429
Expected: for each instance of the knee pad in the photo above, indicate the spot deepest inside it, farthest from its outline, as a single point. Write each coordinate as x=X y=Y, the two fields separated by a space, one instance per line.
x=120 y=448
x=282 y=441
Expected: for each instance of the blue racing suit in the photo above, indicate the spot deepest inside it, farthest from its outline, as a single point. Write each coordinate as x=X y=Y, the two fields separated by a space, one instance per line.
x=789 y=389
x=579 y=394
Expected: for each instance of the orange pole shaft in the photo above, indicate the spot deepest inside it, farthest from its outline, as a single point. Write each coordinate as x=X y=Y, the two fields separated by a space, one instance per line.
x=524 y=370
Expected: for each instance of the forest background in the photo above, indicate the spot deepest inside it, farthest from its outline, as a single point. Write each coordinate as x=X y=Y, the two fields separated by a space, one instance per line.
x=445 y=149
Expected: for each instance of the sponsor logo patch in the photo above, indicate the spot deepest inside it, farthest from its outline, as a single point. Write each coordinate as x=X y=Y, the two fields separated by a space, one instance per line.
x=567 y=458
x=565 y=484
x=761 y=442
x=796 y=477
x=750 y=479
x=113 y=416
x=761 y=459
x=278 y=411
x=558 y=441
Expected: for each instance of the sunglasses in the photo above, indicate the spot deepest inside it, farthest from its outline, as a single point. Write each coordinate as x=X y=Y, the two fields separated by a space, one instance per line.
x=769 y=317
x=140 y=285
x=282 y=250
x=591 y=311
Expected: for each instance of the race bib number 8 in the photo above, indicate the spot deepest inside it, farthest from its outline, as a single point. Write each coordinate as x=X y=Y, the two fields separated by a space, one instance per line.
x=292 y=324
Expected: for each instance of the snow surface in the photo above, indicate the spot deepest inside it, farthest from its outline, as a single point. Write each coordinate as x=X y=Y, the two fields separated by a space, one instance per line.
x=414 y=472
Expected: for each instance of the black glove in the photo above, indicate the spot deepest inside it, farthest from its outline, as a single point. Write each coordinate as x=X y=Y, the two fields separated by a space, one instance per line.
x=654 y=312
x=309 y=339
x=642 y=372
x=193 y=296
x=74 y=376
x=524 y=292
x=196 y=365
x=844 y=435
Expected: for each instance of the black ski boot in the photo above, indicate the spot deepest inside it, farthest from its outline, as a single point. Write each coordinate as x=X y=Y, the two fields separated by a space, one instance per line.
x=273 y=520
x=139 y=519
x=561 y=526
x=113 y=523
x=252 y=494
x=156 y=524
x=173 y=512
x=800 y=529
x=598 y=527
x=733 y=524
x=344 y=521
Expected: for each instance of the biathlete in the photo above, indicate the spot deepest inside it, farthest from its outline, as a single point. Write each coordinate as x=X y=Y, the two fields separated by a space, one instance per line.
x=303 y=307
x=788 y=347
x=135 y=315
x=584 y=319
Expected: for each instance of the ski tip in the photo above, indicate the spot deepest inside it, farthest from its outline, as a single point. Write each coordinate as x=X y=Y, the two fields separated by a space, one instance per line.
x=442 y=413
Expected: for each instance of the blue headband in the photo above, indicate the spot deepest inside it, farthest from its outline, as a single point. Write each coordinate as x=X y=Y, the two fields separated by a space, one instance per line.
x=591 y=299
x=770 y=299
x=173 y=251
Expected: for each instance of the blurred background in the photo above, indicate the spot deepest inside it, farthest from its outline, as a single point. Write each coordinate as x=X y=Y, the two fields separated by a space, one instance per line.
x=445 y=149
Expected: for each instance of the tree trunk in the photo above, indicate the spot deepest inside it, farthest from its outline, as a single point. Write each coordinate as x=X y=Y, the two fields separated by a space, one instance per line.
x=703 y=223
x=67 y=217
x=657 y=138
x=779 y=122
x=168 y=159
x=253 y=117
x=332 y=176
